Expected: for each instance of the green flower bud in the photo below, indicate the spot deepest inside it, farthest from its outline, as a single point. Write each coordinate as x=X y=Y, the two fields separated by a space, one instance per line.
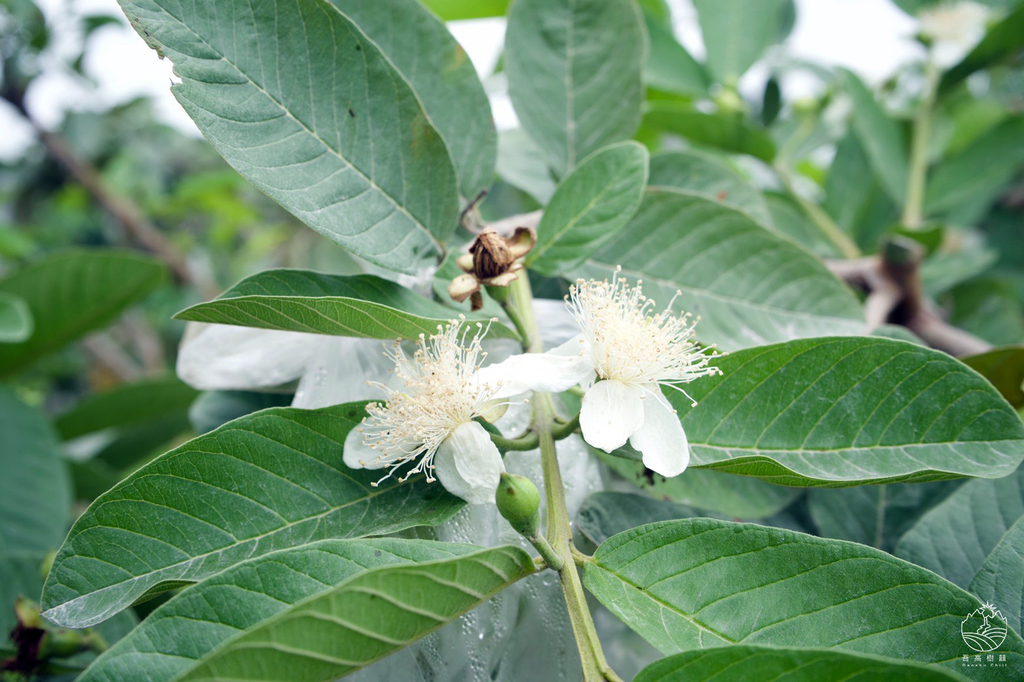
x=518 y=501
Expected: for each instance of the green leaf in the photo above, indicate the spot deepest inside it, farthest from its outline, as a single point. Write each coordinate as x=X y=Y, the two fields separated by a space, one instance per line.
x=669 y=66
x=711 y=176
x=1000 y=580
x=15 y=319
x=521 y=164
x=989 y=307
x=1004 y=367
x=981 y=171
x=749 y=286
x=725 y=131
x=35 y=502
x=849 y=410
x=574 y=74
x=790 y=220
x=74 y=292
x=334 y=133
x=956 y=537
x=605 y=514
x=874 y=515
x=591 y=205
x=854 y=196
x=441 y=75
x=271 y=480
x=737 y=32
x=787 y=665
x=943 y=271
x=740 y=497
x=1000 y=43
x=313 y=589
x=125 y=405
x=453 y=10
x=703 y=583
x=363 y=306
x=881 y=137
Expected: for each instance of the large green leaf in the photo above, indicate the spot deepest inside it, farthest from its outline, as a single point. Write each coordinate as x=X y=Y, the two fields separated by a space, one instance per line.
x=787 y=665
x=749 y=286
x=605 y=514
x=35 y=501
x=703 y=583
x=669 y=66
x=881 y=137
x=312 y=588
x=130 y=404
x=1002 y=41
x=440 y=73
x=1000 y=580
x=981 y=171
x=956 y=537
x=725 y=131
x=740 y=497
x=15 y=319
x=854 y=196
x=1004 y=367
x=737 y=32
x=310 y=110
x=849 y=410
x=874 y=515
x=73 y=292
x=574 y=69
x=268 y=481
x=790 y=220
x=590 y=206
x=709 y=175
x=521 y=164
x=364 y=306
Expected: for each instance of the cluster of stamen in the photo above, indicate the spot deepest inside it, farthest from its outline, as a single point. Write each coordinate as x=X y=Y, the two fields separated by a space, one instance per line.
x=632 y=344
x=440 y=391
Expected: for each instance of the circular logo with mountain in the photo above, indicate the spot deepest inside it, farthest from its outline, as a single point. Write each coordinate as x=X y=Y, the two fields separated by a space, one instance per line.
x=984 y=629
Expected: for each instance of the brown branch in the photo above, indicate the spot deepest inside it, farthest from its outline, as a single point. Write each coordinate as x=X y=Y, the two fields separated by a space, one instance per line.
x=895 y=295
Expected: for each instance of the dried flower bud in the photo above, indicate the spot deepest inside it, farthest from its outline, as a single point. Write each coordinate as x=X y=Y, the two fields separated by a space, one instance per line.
x=493 y=261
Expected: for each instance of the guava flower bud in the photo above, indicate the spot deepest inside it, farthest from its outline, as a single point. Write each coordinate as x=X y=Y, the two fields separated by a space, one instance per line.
x=492 y=261
x=518 y=501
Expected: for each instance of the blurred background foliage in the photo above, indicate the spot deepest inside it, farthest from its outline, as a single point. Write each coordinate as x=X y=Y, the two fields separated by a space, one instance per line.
x=139 y=220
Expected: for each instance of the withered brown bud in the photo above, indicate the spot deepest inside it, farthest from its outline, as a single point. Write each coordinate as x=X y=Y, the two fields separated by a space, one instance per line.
x=492 y=261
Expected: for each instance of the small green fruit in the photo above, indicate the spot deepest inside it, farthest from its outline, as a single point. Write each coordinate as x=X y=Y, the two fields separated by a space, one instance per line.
x=518 y=501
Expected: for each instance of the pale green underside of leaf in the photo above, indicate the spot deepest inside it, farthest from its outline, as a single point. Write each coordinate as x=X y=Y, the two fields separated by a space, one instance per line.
x=219 y=619
x=574 y=73
x=767 y=586
x=787 y=665
x=125 y=405
x=1000 y=580
x=737 y=32
x=363 y=306
x=956 y=537
x=73 y=292
x=881 y=138
x=268 y=481
x=15 y=319
x=440 y=73
x=669 y=66
x=733 y=496
x=849 y=410
x=299 y=101
x=749 y=286
x=589 y=207
x=606 y=513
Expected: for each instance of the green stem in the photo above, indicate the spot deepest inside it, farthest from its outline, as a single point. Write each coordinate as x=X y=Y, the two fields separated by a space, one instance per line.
x=563 y=430
x=525 y=442
x=559 y=534
x=913 y=210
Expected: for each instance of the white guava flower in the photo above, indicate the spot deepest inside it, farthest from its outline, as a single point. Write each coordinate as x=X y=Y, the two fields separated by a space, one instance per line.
x=953 y=28
x=622 y=358
x=428 y=420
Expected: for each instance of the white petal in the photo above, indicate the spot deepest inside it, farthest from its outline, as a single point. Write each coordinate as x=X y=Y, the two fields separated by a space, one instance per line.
x=661 y=439
x=555 y=322
x=612 y=411
x=357 y=455
x=220 y=357
x=339 y=372
x=468 y=464
x=553 y=372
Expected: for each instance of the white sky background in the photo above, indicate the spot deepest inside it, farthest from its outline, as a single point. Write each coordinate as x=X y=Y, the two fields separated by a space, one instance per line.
x=872 y=37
